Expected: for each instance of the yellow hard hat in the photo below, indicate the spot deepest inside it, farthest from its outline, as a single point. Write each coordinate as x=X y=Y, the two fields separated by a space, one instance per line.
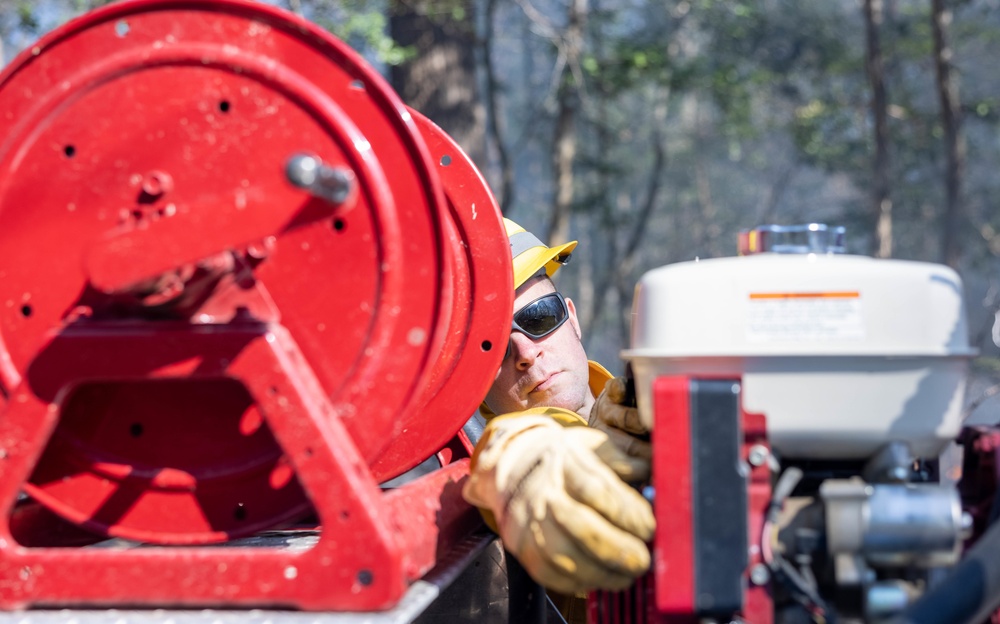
x=531 y=255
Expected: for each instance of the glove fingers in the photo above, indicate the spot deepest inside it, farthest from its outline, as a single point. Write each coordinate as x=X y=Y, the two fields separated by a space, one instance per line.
x=629 y=468
x=597 y=487
x=474 y=491
x=627 y=419
x=568 y=582
x=547 y=574
x=604 y=555
x=632 y=423
x=610 y=408
x=596 y=440
x=559 y=563
x=629 y=444
x=614 y=388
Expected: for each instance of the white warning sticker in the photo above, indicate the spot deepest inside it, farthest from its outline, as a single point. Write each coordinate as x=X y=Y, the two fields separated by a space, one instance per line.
x=804 y=316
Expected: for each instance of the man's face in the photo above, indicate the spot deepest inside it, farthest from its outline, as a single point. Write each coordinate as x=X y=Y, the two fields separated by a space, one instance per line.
x=551 y=371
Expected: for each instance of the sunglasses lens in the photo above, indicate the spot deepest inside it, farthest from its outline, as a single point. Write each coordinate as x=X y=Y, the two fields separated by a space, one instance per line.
x=539 y=318
x=542 y=316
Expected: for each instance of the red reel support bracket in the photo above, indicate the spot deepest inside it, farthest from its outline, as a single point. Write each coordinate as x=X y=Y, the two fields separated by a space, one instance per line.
x=365 y=557
x=205 y=335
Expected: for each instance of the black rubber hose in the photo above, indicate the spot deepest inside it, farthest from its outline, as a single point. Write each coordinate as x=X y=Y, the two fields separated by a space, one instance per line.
x=968 y=594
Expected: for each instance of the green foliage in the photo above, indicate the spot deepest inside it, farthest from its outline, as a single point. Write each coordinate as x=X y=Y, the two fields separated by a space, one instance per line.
x=362 y=24
x=26 y=17
x=828 y=136
x=629 y=66
x=368 y=29
x=760 y=55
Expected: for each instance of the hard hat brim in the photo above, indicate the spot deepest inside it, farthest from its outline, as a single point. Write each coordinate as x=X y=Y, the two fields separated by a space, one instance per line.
x=531 y=261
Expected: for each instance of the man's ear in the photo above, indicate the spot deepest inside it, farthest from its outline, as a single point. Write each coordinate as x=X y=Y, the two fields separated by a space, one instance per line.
x=575 y=322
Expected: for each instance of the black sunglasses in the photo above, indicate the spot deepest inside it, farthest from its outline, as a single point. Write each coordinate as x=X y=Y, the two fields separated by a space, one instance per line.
x=539 y=318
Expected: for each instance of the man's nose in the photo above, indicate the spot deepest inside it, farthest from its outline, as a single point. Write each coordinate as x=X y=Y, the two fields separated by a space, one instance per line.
x=523 y=349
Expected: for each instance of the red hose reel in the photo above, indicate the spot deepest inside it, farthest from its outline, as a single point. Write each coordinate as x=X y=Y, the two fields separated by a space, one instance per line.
x=241 y=282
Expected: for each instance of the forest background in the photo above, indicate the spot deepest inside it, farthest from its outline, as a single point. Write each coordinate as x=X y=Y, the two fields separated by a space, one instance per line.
x=652 y=131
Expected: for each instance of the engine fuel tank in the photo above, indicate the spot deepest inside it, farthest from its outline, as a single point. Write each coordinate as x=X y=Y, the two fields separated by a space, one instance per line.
x=842 y=353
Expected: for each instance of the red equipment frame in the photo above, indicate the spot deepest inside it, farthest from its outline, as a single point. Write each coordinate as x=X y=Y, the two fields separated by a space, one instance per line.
x=193 y=349
x=668 y=593
x=372 y=545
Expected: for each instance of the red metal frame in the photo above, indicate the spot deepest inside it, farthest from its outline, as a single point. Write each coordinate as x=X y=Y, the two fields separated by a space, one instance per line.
x=193 y=349
x=400 y=539
x=758 y=601
x=673 y=507
x=171 y=205
x=667 y=594
x=980 y=475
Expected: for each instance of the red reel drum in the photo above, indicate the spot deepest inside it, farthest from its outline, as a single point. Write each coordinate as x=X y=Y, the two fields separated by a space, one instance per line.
x=483 y=289
x=144 y=189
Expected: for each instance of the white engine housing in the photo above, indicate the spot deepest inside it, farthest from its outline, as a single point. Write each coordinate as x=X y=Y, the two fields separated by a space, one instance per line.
x=842 y=354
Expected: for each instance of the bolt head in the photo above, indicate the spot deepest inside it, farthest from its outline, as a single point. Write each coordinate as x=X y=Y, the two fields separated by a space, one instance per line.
x=759 y=574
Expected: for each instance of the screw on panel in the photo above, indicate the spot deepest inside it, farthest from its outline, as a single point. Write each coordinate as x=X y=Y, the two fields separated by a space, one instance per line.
x=310 y=173
x=365 y=577
x=759 y=574
x=758 y=455
x=155 y=184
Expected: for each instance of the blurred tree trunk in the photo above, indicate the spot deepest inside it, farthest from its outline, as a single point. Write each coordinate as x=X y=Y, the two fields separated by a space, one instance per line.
x=954 y=140
x=708 y=229
x=775 y=190
x=495 y=125
x=595 y=279
x=564 y=140
x=563 y=155
x=881 y=201
x=625 y=270
x=440 y=81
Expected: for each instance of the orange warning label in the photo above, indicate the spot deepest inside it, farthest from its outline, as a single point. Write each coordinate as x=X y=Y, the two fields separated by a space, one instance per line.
x=847 y=294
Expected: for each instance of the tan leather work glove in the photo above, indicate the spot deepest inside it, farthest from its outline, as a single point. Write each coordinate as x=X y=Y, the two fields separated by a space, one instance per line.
x=621 y=423
x=559 y=504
